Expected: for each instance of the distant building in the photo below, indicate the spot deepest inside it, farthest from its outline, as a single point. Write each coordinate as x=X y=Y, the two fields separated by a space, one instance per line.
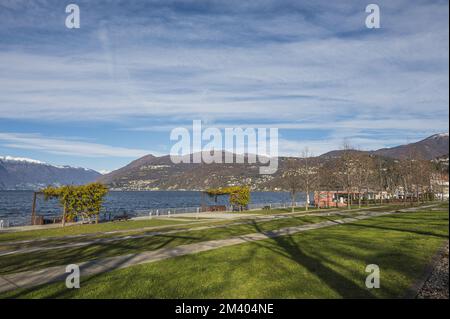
x=324 y=199
x=339 y=198
x=440 y=186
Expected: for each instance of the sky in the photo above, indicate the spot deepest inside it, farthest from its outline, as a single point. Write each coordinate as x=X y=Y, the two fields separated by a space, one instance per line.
x=111 y=91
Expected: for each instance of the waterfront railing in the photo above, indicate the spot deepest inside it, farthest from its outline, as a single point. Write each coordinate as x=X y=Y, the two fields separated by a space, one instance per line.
x=149 y=213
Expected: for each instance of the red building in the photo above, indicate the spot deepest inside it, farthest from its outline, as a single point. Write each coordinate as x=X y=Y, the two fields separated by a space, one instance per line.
x=325 y=199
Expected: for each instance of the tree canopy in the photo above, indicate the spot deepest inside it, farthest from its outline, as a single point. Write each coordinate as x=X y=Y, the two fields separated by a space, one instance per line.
x=82 y=201
x=239 y=195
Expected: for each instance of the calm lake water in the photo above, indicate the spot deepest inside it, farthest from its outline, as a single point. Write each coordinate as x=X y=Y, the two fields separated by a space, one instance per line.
x=15 y=206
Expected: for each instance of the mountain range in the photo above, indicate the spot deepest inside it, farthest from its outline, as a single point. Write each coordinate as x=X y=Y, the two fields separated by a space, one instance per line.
x=430 y=148
x=160 y=173
x=25 y=174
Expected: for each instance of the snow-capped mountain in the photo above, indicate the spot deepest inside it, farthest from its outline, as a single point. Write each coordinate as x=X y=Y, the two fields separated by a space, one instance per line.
x=17 y=173
x=20 y=159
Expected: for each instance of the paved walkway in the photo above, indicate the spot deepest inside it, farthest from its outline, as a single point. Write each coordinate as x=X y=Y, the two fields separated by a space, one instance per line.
x=217 y=218
x=259 y=218
x=110 y=232
x=57 y=273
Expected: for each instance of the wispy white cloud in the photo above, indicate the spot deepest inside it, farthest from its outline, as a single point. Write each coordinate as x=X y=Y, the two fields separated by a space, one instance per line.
x=318 y=147
x=67 y=146
x=309 y=65
x=356 y=124
x=129 y=75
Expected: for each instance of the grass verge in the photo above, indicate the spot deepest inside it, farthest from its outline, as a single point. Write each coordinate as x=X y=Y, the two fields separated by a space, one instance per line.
x=323 y=263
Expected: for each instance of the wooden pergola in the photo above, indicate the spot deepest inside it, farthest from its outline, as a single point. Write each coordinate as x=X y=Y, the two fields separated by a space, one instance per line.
x=38 y=220
x=33 y=207
x=216 y=192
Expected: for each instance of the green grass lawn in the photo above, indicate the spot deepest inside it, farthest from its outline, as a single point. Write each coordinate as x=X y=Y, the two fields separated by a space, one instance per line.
x=63 y=256
x=323 y=263
x=275 y=211
x=133 y=225
x=86 y=229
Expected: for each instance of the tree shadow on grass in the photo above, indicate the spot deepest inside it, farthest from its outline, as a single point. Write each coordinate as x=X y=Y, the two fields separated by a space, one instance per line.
x=43 y=259
x=63 y=291
x=90 y=258
x=287 y=247
x=414 y=231
x=419 y=221
x=90 y=263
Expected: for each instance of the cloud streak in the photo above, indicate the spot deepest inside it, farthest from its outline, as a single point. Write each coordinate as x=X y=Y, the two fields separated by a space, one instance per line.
x=67 y=146
x=147 y=66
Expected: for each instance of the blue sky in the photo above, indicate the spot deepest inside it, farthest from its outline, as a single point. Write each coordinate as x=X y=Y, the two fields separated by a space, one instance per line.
x=111 y=91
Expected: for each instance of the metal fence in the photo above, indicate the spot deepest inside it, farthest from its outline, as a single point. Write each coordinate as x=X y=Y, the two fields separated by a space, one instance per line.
x=165 y=211
x=275 y=205
x=15 y=221
x=229 y=208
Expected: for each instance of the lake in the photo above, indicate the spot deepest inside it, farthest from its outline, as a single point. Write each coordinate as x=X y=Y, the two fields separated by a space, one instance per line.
x=15 y=206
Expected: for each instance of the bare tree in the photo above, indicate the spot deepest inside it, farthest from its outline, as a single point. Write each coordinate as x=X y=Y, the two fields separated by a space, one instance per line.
x=422 y=179
x=381 y=178
x=406 y=172
x=362 y=170
x=308 y=175
x=392 y=176
x=345 y=171
x=411 y=176
x=292 y=180
x=326 y=177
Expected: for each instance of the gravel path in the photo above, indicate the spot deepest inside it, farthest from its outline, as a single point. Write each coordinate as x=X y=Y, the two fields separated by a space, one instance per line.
x=436 y=286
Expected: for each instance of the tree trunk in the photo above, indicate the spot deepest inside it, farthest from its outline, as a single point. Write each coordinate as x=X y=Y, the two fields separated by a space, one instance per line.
x=404 y=196
x=63 y=222
x=328 y=200
x=307 y=201
x=292 y=203
x=366 y=197
x=33 y=210
x=348 y=200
